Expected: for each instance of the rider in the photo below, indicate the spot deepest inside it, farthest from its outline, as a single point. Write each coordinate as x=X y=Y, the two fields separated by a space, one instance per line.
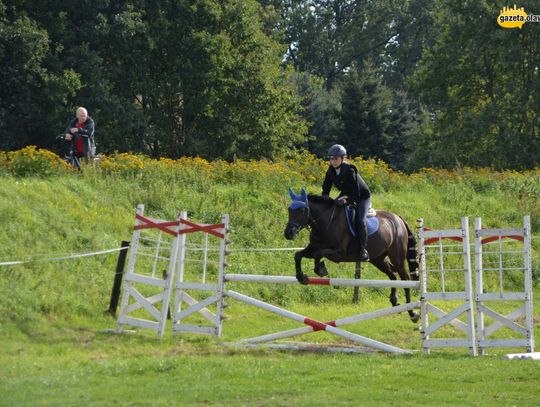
x=353 y=190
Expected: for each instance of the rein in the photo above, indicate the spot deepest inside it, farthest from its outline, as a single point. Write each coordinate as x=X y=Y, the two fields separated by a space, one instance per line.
x=310 y=221
x=331 y=217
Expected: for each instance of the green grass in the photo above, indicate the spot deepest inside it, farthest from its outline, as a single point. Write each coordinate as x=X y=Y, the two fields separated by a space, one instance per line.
x=53 y=353
x=69 y=362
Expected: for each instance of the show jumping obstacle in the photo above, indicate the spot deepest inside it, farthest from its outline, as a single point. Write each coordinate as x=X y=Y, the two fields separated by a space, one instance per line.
x=150 y=238
x=442 y=289
x=506 y=261
x=447 y=286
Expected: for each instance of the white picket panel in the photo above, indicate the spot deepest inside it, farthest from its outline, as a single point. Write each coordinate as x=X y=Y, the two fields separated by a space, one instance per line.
x=525 y=332
x=433 y=239
x=133 y=300
x=181 y=297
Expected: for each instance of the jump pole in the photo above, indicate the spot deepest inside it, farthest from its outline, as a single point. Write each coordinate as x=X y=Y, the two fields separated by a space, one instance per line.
x=314 y=324
x=337 y=323
x=341 y=282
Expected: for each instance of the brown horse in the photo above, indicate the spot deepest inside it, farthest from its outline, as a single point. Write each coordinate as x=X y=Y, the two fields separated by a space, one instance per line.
x=330 y=238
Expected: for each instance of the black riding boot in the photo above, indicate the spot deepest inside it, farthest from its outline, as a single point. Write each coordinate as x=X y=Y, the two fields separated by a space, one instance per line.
x=361 y=232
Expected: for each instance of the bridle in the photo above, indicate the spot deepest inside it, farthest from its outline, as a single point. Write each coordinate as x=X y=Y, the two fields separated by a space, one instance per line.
x=307 y=219
x=305 y=222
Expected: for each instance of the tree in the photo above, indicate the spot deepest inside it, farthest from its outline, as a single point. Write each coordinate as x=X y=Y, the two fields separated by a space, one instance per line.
x=481 y=84
x=207 y=80
x=169 y=77
x=321 y=109
x=366 y=114
x=404 y=126
x=33 y=98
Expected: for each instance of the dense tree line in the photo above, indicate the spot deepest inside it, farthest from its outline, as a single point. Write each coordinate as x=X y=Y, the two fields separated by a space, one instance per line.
x=416 y=83
x=167 y=77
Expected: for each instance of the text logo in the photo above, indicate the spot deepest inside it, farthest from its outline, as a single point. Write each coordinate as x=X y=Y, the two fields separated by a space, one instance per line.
x=515 y=17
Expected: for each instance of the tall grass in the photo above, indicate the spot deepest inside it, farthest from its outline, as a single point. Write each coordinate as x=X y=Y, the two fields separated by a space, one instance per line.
x=52 y=212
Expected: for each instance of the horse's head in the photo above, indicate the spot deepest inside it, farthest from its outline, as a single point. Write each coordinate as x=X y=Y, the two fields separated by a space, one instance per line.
x=298 y=214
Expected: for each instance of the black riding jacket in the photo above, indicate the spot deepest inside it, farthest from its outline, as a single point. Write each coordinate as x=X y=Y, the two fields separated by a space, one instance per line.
x=86 y=133
x=349 y=183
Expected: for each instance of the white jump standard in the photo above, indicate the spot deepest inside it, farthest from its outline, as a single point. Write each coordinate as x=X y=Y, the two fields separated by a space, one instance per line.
x=525 y=296
x=434 y=239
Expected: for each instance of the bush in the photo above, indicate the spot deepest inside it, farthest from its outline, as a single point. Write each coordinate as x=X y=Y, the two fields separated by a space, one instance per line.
x=31 y=161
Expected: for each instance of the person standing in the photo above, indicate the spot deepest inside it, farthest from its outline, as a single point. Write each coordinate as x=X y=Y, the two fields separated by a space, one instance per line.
x=80 y=133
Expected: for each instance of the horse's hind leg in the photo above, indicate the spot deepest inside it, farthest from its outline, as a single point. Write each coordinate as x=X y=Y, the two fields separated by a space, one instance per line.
x=400 y=268
x=386 y=268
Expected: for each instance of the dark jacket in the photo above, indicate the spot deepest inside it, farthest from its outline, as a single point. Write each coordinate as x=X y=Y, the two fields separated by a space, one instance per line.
x=349 y=183
x=87 y=135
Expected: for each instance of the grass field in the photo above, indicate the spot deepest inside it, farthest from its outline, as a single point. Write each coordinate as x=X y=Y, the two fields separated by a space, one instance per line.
x=70 y=362
x=53 y=348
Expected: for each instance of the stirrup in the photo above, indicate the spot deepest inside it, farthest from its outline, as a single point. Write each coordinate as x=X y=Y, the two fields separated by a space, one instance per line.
x=364 y=256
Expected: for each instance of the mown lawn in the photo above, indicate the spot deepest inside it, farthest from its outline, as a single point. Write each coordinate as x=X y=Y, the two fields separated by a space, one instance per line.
x=74 y=363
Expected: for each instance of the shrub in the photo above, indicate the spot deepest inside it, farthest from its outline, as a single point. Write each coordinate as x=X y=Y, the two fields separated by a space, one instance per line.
x=31 y=161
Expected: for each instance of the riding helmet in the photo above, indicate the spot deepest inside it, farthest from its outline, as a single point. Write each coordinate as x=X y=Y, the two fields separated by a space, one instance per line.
x=337 y=150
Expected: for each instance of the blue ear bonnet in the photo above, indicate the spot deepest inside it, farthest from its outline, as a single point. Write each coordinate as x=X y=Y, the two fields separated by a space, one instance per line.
x=298 y=205
x=298 y=201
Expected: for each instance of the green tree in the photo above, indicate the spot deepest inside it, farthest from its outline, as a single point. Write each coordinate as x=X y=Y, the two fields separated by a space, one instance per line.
x=404 y=126
x=366 y=114
x=207 y=80
x=321 y=109
x=169 y=77
x=481 y=84
x=33 y=98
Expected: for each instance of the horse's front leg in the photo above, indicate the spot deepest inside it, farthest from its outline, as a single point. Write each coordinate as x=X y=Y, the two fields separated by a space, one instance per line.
x=320 y=267
x=298 y=256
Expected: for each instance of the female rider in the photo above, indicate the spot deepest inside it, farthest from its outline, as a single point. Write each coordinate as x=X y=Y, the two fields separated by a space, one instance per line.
x=353 y=191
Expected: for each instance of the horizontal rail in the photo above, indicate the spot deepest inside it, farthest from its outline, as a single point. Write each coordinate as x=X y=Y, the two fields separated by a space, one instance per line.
x=138 y=278
x=322 y=281
x=500 y=296
x=503 y=343
x=196 y=286
x=445 y=270
x=449 y=233
x=496 y=232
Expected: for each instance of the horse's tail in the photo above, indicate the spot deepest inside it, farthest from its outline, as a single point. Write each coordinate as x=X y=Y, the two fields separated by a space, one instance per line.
x=412 y=254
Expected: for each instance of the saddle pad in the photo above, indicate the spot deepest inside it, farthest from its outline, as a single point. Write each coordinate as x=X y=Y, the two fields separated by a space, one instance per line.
x=372 y=223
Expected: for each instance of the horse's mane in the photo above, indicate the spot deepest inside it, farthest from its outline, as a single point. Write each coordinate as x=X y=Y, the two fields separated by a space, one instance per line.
x=320 y=199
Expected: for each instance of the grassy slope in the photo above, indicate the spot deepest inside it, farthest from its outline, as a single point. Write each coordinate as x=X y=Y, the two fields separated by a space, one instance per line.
x=53 y=354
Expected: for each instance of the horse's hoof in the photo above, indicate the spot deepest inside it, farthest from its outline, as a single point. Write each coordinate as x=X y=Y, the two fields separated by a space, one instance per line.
x=302 y=279
x=415 y=318
x=321 y=271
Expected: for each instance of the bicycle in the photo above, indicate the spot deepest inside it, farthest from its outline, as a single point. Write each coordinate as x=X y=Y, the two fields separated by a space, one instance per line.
x=70 y=156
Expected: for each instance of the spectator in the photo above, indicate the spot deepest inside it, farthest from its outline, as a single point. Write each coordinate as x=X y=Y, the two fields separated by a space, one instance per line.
x=81 y=134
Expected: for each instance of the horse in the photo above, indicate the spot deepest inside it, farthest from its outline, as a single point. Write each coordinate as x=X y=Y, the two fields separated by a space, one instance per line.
x=330 y=238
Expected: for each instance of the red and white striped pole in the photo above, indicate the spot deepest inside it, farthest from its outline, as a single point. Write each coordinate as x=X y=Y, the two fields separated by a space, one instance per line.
x=337 y=323
x=343 y=282
x=314 y=324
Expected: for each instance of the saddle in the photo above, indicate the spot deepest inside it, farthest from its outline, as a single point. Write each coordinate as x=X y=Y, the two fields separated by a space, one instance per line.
x=372 y=223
